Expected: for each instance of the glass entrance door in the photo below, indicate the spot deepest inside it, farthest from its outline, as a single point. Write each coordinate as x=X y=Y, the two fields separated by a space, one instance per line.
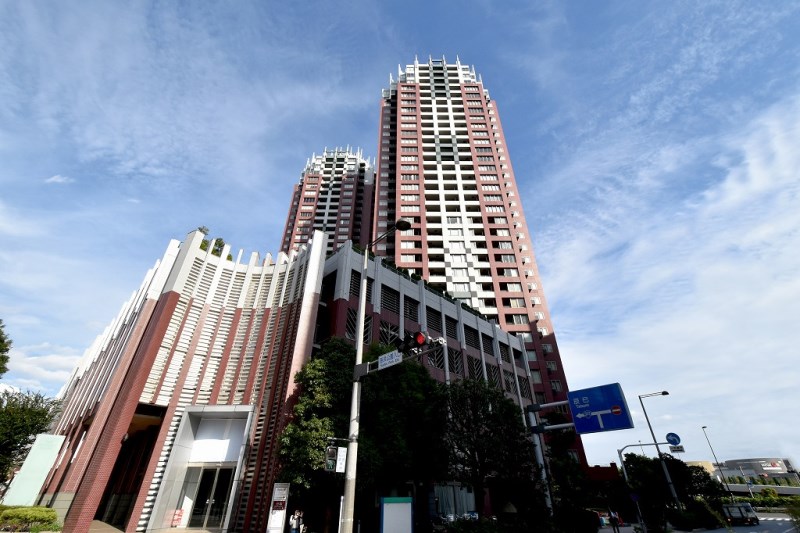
x=211 y=498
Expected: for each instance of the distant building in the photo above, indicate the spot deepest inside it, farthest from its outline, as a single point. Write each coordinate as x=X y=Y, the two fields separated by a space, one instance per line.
x=172 y=416
x=762 y=469
x=334 y=195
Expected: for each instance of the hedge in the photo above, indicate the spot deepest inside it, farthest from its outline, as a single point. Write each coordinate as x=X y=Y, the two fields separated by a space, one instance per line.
x=29 y=519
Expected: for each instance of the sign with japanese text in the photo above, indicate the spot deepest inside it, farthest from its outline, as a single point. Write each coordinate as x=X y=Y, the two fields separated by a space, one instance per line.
x=599 y=409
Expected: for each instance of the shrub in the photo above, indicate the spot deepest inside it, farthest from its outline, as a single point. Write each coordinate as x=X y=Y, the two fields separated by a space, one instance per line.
x=793 y=510
x=29 y=518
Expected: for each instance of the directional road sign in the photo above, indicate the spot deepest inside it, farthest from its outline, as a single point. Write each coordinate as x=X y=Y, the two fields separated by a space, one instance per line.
x=389 y=359
x=673 y=439
x=599 y=409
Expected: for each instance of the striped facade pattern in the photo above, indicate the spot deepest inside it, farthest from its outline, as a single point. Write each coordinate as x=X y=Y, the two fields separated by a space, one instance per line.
x=202 y=330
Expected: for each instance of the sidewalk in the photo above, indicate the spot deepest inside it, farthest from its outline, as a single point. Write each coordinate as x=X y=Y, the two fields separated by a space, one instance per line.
x=627 y=528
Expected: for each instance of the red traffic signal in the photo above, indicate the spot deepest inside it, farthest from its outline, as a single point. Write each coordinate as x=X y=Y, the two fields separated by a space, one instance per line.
x=412 y=341
x=420 y=339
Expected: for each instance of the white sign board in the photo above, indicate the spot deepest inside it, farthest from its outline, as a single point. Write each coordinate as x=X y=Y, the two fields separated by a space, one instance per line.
x=396 y=515
x=389 y=359
x=277 y=511
x=341 y=458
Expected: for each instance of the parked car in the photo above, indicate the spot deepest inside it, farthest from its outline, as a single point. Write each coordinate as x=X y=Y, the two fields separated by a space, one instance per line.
x=740 y=514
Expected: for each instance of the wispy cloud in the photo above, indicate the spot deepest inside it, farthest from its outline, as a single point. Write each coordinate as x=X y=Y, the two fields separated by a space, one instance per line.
x=688 y=297
x=58 y=178
x=42 y=367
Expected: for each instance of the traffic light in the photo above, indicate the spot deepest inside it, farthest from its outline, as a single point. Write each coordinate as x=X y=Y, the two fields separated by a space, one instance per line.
x=330 y=458
x=412 y=341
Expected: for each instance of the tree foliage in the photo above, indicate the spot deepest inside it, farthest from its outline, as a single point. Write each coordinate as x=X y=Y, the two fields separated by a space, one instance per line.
x=23 y=415
x=700 y=495
x=414 y=432
x=482 y=454
x=398 y=440
x=321 y=413
x=5 y=347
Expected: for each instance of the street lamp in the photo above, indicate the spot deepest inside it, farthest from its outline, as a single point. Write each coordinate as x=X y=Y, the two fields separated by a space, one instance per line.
x=655 y=442
x=721 y=473
x=348 y=503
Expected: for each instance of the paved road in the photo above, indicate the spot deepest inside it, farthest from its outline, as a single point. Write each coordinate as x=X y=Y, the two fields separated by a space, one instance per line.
x=770 y=523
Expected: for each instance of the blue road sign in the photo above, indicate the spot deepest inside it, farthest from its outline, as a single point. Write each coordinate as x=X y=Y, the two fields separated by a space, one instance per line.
x=599 y=409
x=673 y=439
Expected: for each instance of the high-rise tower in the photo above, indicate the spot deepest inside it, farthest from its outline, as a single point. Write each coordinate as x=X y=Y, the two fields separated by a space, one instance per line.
x=444 y=165
x=334 y=196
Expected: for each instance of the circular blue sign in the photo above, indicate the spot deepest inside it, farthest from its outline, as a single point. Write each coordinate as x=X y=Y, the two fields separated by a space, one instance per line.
x=673 y=439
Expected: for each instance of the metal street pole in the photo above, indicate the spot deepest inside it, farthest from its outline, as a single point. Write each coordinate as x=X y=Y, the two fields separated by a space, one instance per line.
x=348 y=505
x=658 y=450
x=639 y=515
x=746 y=480
x=721 y=473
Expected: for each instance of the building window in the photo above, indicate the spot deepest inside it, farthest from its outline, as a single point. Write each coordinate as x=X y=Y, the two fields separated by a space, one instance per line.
x=517 y=319
x=390 y=299
x=411 y=309
x=556 y=385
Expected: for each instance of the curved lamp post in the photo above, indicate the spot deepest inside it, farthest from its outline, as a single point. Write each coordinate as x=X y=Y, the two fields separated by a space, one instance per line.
x=348 y=503
x=719 y=465
x=658 y=450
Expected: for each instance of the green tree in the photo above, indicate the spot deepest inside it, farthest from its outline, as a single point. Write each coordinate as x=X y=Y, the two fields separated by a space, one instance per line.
x=400 y=443
x=320 y=414
x=23 y=415
x=482 y=455
x=5 y=347
x=700 y=495
x=793 y=510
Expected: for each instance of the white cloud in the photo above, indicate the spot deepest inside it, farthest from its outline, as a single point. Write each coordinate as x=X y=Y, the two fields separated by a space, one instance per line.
x=700 y=299
x=42 y=368
x=16 y=223
x=58 y=178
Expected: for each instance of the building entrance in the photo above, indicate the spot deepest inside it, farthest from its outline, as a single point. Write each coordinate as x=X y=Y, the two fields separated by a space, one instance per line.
x=211 y=496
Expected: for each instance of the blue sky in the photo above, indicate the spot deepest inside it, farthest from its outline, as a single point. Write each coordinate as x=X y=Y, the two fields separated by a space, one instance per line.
x=655 y=146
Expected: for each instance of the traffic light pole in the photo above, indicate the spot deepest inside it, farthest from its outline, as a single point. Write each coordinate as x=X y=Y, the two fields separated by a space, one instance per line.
x=362 y=369
x=348 y=501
